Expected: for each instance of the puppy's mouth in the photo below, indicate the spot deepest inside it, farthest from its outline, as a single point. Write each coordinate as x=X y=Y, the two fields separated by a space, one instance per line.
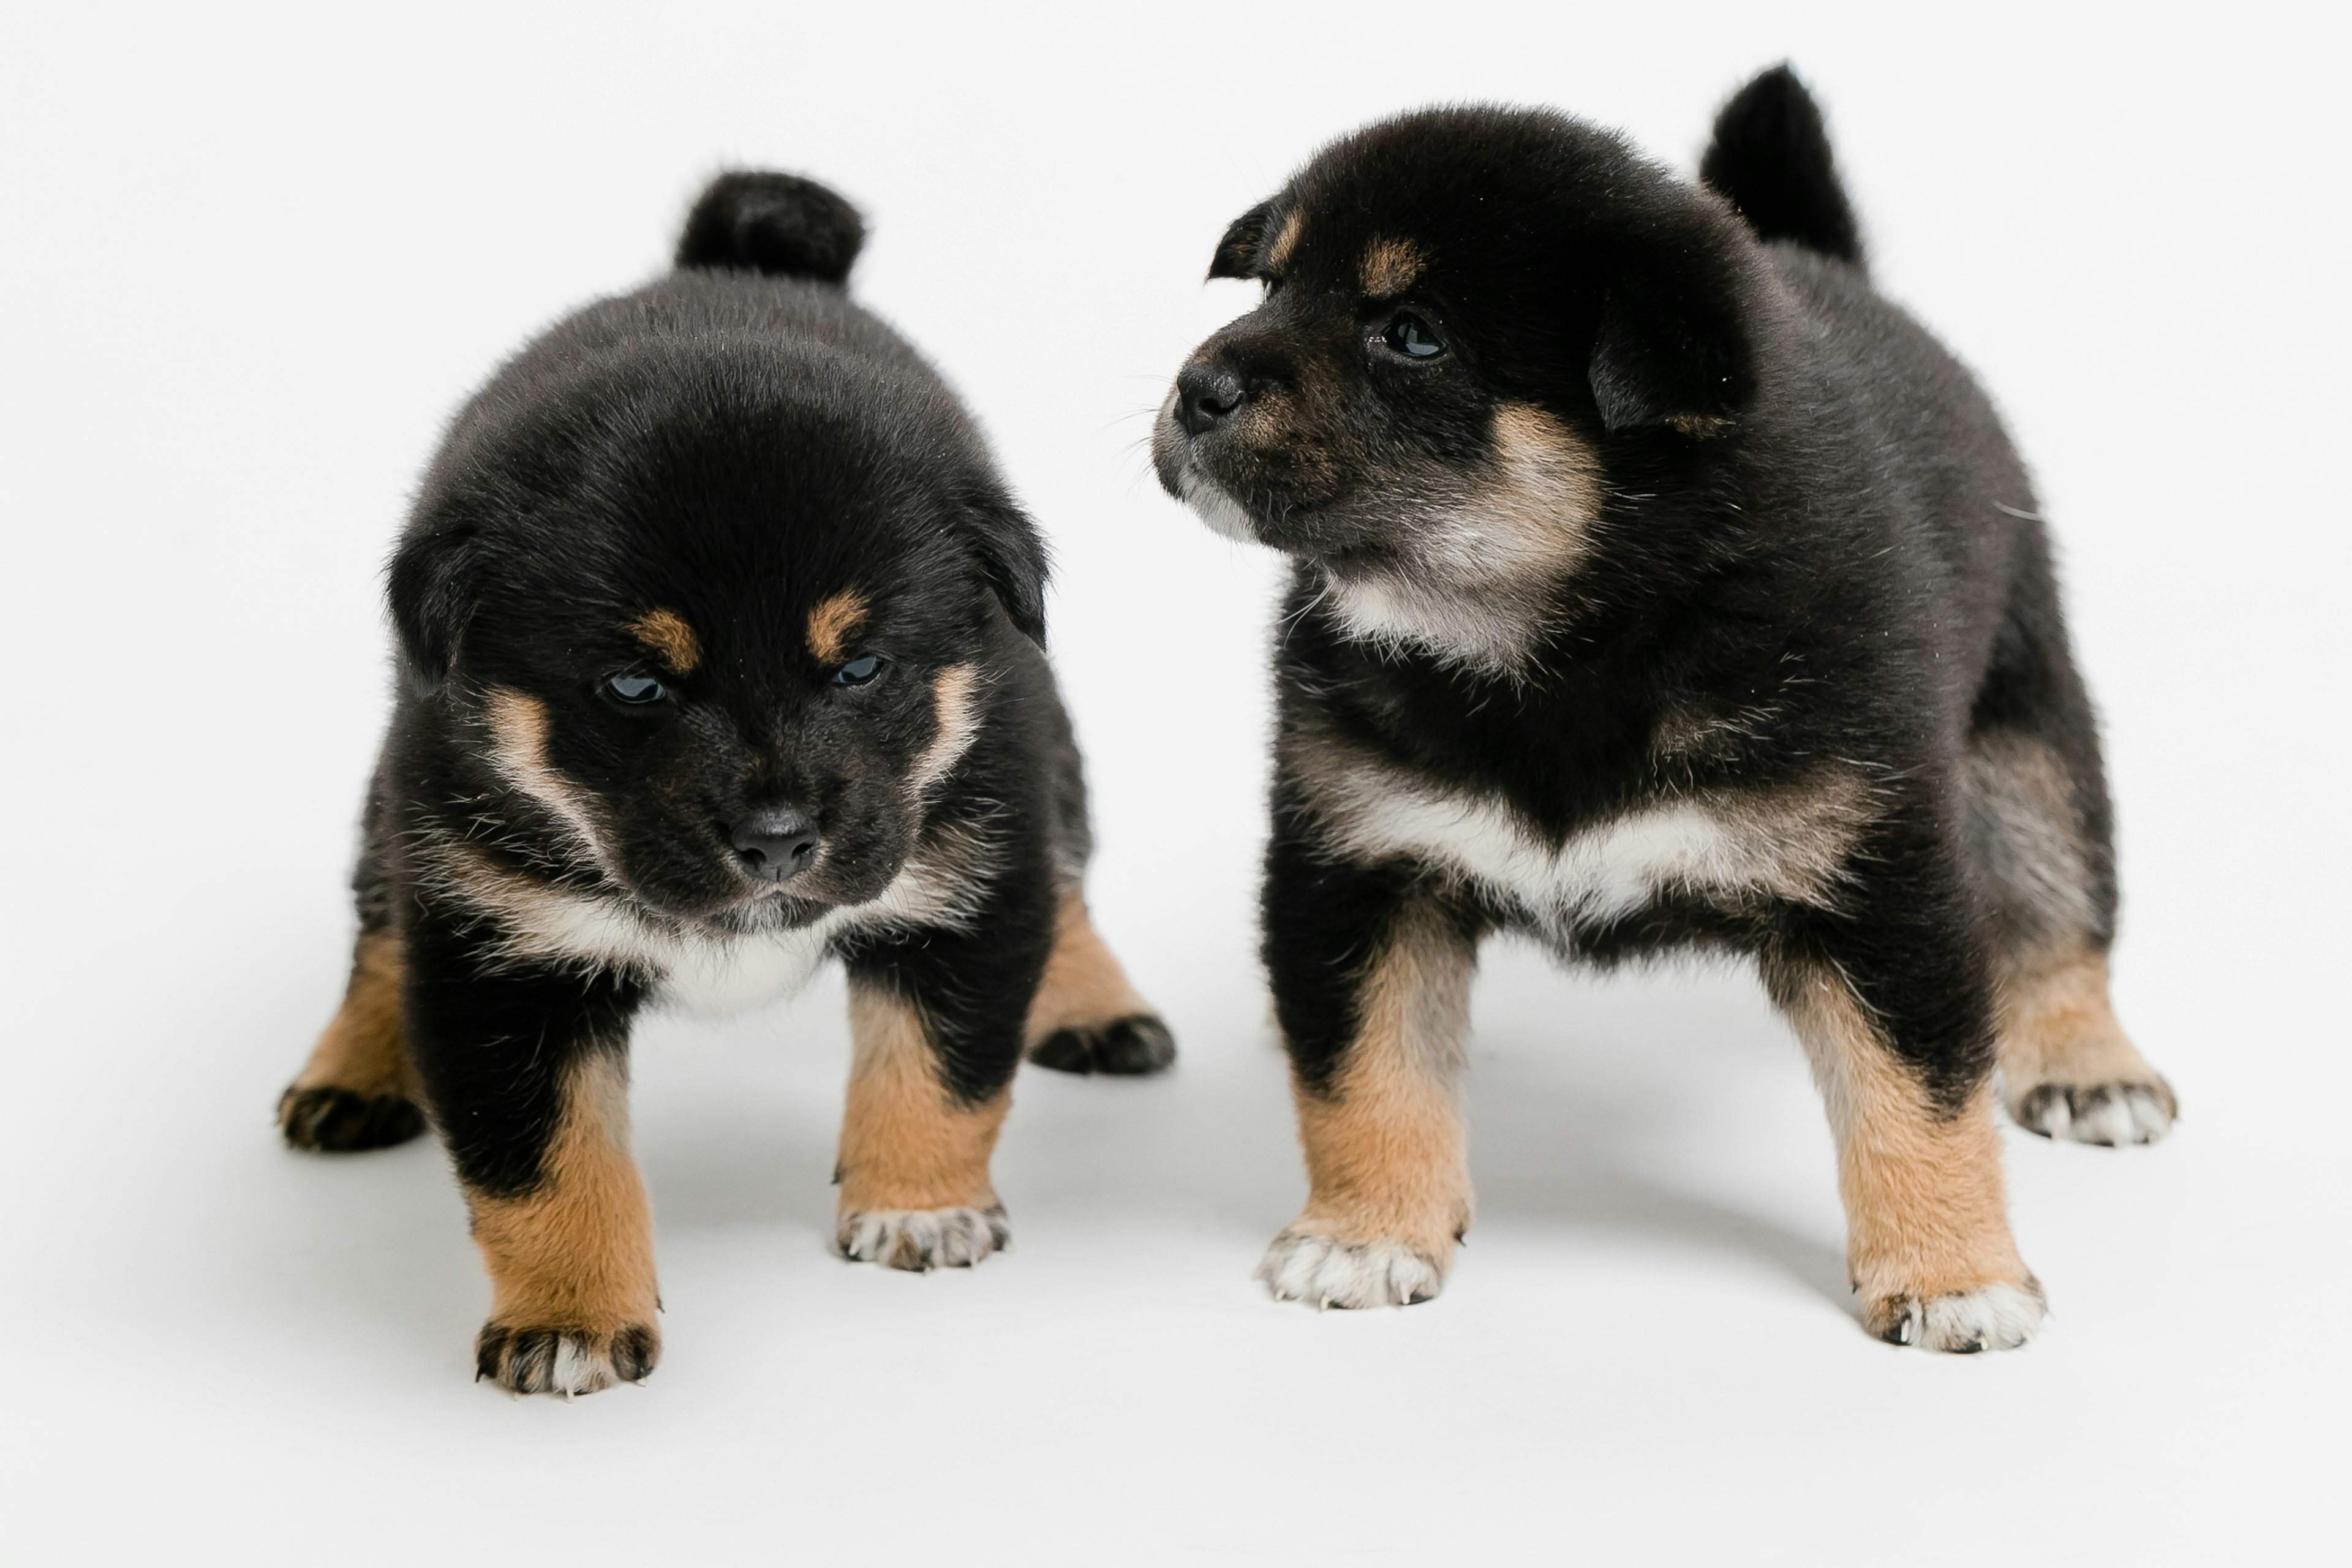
x=1182 y=476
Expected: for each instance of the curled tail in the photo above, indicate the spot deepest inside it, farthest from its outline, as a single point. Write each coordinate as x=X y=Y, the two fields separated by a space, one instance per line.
x=1770 y=159
x=780 y=225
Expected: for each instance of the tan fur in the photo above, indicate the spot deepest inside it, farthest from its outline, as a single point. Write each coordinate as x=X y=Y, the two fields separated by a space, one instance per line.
x=1390 y=267
x=518 y=725
x=1084 y=985
x=666 y=636
x=1278 y=254
x=955 y=706
x=832 y=622
x=1384 y=1146
x=1925 y=1215
x=1483 y=557
x=577 y=1250
x=906 y=1143
x=2058 y=1026
x=363 y=1049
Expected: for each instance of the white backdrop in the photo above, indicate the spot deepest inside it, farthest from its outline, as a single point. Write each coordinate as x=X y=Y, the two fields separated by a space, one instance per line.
x=252 y=260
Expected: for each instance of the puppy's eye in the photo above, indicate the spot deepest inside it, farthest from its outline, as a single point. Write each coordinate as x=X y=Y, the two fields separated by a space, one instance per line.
x=857 y=671
x=635 y=689
x=1413 y=338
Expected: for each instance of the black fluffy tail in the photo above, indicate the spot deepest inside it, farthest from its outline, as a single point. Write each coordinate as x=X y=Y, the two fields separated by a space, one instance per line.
x=1771 y=160
x=780 y=225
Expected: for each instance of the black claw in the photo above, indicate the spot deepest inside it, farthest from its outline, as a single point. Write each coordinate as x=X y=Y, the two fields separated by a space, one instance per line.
x=1128 y=1047
x=634 y=1353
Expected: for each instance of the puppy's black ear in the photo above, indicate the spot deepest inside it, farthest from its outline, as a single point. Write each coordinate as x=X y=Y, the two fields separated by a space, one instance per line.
x=780 y=225
x=1013 y=558
x=429 y=589
x=1237 y=252
x=1671 y=349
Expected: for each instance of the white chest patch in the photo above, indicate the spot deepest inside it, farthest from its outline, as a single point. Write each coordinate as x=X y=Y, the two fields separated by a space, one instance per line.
x=710 y=974
x=1787 y=844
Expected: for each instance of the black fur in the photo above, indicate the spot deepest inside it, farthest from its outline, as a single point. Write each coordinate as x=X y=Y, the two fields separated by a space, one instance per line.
x=1770 y=159
x=779 y=225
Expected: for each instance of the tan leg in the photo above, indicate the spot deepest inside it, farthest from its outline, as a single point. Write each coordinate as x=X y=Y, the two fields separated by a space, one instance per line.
x=1087 y=1017
x=2067 y=1069
x=913 y=1170
x=1928 y=1240
x=571 y=1260
x=1388 y=1183
x=359 y=1089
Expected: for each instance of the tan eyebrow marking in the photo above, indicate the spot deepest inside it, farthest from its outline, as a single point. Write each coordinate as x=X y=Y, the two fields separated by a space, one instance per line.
x=1277 y=255
x=1391 y=266
x=832 y=622
x=665 y=633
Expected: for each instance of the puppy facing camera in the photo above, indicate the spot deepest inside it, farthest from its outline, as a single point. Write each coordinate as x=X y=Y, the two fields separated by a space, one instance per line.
x=1656 y=586
x=723 y=653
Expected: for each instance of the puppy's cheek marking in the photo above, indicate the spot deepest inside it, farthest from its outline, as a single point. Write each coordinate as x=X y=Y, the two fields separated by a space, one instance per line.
x=665 y=634
x=1928 y=1237
x=913 y=1166
x=832 y=622
x=2067 y=1069
x=1388 y=1183
x=517 y=726
x=1390 y=267
x=955 y=708
x=571 y=1260
x=1486 y=562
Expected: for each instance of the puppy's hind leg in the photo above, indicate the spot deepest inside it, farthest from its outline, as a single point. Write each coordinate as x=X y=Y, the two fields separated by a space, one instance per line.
x=2067 y=1069
x=359 y=1089
x=1086 y=1017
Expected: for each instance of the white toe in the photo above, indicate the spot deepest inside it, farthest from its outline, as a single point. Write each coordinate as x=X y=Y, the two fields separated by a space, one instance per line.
x=1302 y=1266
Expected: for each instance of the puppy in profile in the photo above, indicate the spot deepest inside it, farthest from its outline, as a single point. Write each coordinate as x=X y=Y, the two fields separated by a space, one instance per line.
x=723 y=653
x=1657 y=585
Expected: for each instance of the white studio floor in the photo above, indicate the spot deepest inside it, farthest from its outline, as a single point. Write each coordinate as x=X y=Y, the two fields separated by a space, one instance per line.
x=252 y=264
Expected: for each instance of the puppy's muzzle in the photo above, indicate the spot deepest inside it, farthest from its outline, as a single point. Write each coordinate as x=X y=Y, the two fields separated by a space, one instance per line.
x=776 y=845
x=1205 y=395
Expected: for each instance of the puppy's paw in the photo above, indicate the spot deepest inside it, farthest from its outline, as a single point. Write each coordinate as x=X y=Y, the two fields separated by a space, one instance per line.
x=341 y=1122
x=2109 y=1114
x=1989 y=1318
x=568 y=1361
x=1306 y=1264
x=921 y=1239
x=1132 y=1045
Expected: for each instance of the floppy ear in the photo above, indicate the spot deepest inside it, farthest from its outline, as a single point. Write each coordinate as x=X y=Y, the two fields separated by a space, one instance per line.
x=1670 y=350
x=1013 y=558
x=1237 y=252
x=429 y=590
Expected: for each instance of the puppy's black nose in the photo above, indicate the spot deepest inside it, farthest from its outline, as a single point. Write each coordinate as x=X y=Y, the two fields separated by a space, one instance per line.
x=1206 y=393
x=776 y=845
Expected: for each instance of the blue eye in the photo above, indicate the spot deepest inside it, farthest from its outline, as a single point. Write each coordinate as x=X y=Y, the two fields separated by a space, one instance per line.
x=1413 y=338
x=635 y=689
x=857 y=671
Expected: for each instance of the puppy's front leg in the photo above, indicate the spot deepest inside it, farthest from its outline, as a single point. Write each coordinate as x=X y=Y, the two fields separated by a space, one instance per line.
x=528 y=1077
x=1371 y=982
x=936 y=1025
x=1899 y=1040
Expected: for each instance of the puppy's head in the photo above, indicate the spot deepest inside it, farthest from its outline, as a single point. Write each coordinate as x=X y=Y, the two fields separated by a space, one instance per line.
x=1477 y=324
x=712 y=640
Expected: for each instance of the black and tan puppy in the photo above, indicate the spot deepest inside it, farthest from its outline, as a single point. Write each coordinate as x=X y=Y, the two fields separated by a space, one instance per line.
x=723 y=653
x=1657 y=585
